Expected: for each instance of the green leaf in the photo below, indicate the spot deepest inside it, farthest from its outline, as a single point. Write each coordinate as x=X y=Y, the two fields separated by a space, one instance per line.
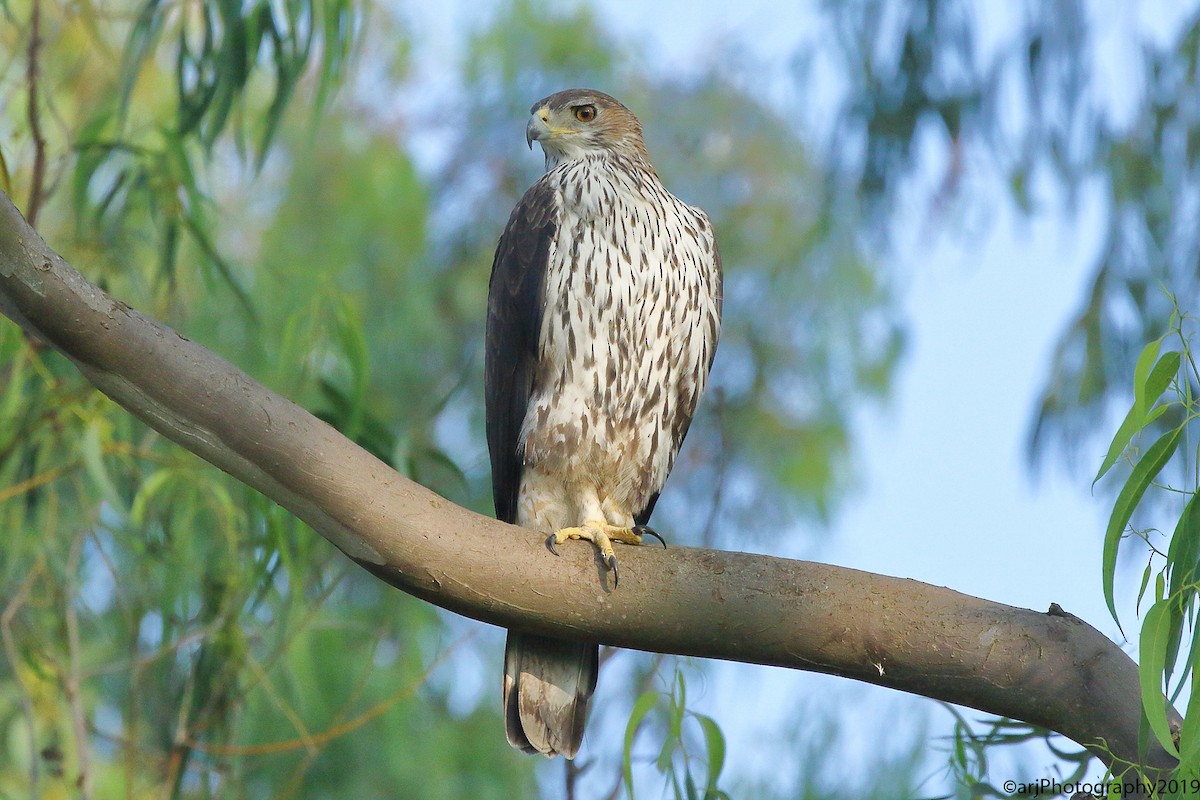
x=1160 y=377
x=1147 y=389
x=352 y=340
x=1183 y=556
x=714 y=742
x=641 y=708
x=5 y=177
x=143 y=38
x=339 y=30
x=216 y=260
x=147 y=490
x=1183 y=561
x=1189 y=735
x=1139 y=480
x=91 y=451
x=1141 y=372
x=675 y=713
x=1129 y=426
x=1145 y=583
x=1151 y=667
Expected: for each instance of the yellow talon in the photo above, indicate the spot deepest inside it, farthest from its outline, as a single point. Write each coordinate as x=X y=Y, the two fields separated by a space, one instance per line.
x=602 y=535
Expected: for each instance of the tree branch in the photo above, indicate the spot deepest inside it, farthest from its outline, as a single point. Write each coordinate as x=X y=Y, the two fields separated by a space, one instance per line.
x=1050 y=669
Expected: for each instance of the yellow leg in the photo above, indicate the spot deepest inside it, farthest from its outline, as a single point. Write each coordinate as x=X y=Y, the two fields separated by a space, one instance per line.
x=602 y=534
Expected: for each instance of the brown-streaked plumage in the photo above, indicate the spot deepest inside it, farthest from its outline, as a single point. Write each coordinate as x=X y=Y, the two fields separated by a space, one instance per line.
x=603 y=314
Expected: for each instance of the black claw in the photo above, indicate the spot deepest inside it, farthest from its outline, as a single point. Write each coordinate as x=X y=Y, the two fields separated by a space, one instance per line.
x=550 y=544
x=612 y=564
x=646 y=530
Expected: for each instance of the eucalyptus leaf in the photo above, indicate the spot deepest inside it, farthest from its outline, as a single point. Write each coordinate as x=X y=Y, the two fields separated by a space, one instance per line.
x=1141 y=374
x=641 y=707
x=714 y=741
x=1165 y=370
x=1151 y=667
x=1183 y=563
x=1151 y=463
x=1138 y=417
x=1129 y=428
x=1189 y=734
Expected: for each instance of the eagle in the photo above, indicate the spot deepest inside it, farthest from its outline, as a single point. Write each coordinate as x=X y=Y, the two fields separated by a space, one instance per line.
x=604 y=307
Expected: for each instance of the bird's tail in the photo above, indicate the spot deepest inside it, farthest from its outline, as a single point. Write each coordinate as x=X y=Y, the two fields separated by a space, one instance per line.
x=547 y=686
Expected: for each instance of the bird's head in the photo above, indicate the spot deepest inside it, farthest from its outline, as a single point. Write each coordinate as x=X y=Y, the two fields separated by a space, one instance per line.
x=575 y=123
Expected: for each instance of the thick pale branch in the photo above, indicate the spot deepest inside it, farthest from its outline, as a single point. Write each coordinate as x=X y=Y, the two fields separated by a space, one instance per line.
x=1050 y=669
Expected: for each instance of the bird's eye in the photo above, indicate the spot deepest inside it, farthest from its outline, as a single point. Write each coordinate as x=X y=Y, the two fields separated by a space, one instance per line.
x=585 y=113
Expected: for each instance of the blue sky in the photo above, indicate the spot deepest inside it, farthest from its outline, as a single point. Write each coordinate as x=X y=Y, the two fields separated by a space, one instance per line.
x=945 y=493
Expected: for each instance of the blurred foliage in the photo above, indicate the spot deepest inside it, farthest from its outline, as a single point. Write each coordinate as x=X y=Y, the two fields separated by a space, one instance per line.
x=313 y=253
x=974 y=746
x=849 y=751
x=167 y=631
x=678 y=758
x=1064 y=101
x=1074 y=104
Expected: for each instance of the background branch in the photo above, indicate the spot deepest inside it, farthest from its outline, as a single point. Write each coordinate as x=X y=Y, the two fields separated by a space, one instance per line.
x=1050 y=669
x=37 y=192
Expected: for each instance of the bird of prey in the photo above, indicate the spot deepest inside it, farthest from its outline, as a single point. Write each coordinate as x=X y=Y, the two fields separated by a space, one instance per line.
x=603 y=312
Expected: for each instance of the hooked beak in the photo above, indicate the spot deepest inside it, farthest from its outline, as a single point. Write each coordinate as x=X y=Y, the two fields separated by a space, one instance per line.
x=537 y=128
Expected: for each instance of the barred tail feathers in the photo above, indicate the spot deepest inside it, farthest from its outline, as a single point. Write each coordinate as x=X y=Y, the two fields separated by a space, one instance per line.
x=547 y=686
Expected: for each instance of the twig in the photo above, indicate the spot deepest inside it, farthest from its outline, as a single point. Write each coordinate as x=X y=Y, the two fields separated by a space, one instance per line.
x=140 y=662
x=573 y=770
x=724 y=454
x=78 y=718
x=38 y=183
x=181 y=750
x=10 y=650
x=309 y=741
x=616 y=789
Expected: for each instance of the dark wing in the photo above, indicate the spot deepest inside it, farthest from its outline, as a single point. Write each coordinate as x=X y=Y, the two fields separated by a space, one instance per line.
x=643 y=516
x=514 y=323
x=685 y=420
